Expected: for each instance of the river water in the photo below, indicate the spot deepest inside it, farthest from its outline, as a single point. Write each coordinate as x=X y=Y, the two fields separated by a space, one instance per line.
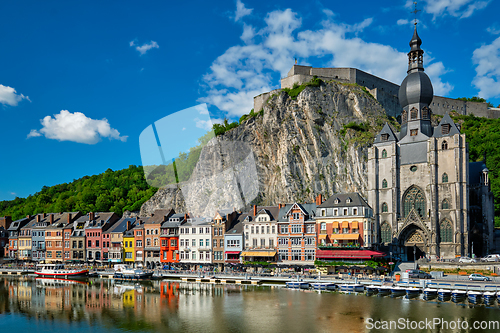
x=48 y=305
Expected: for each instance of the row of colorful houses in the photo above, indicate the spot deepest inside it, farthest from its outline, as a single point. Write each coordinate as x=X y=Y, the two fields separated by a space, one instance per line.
x=289 y=234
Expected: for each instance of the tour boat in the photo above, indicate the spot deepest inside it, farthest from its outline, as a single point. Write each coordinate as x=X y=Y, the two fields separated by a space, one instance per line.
x=352 y=287
x=58 y=270
x=124 y=272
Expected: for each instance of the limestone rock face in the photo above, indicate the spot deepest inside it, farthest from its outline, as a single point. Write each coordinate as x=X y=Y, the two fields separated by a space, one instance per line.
x=293 y=152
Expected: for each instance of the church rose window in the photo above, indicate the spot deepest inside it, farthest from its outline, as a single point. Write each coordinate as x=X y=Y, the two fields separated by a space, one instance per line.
x=445 y=204
x=445 y=177
x=413 y=113
x=415 y=199
x=385 y=209
x=444 y=146
x=446 y=231
x=385 y=233
x=384 y=153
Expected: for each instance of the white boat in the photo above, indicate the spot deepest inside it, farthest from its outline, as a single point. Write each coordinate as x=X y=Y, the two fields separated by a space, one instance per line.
x=412 y=291
x=323 y=286
x=398 y=291
x=58 y=270
x=430 y=291
x=475 y=297
x=127 y=273
x=489 y=297
x=352 y=287
x=297 y=285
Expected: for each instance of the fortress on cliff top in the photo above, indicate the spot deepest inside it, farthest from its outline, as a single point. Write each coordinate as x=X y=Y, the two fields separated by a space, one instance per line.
x=385 y=92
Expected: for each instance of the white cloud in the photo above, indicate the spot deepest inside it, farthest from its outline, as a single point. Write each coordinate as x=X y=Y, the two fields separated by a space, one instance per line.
x=145 y=47
x=435 y=71
x=494 y=30
x=456 y=8
x=248 y=33
x=9 y=96
x=207 y=124
x=241 y=10
x=402 y=22
x=247 y=70
x=487 y=61
x=76 y=127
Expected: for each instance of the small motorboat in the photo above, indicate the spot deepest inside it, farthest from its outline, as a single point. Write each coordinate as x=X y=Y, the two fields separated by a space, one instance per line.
x=352 y=287
x=398 y=291
x=489 y=297
x=297 y=285
x=475 y=297
x=384 y=290
x=58 y=270
x=323 y=286
x=458 y=296
x=444 y=292
x=371 y=289
x=430 y=291
x=124 y=272
x=412 y=292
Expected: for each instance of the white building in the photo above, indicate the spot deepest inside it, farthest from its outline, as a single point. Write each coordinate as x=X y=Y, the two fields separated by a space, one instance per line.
x=195 y=241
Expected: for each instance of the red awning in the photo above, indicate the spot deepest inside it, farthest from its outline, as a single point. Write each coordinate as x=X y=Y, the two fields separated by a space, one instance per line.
x=233 y=252
x=348 y=254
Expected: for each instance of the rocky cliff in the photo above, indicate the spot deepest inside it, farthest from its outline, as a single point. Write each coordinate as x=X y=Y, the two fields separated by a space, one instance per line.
x=298 y=148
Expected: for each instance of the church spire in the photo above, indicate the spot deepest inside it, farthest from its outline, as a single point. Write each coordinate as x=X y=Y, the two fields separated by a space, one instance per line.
x=416 y=54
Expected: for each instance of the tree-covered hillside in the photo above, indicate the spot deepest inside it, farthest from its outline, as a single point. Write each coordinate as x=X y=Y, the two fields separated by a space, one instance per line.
x=483 y=136
x=115 y=191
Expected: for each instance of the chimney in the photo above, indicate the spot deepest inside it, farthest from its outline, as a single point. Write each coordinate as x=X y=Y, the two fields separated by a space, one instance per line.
x=44 y=215
x=279 y=206
x=91 y=216
x=185 y=217
x=51 y=218
x=254 y=210
x=38 y=217
x=28 y=216
x=319 y=200
x=69 y=218
x=128 y=225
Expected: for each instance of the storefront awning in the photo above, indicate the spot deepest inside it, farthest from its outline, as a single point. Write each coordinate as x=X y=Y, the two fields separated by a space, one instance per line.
x=322 y=236
x=258 y=253
x=335 y=225
x=354 y=225
x=345 y=224
x=348 y=254
x=233 y=252
x=345 y=236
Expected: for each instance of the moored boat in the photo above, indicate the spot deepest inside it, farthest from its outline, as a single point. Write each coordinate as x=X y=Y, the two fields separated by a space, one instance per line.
x=297 y=285
x=124 y=272
x=489 y=297
x=384 y=290
x=475 y=297
x=398 y=291
x=352 y=287
x=58 y=270
x=412 y=292
x=323 y=286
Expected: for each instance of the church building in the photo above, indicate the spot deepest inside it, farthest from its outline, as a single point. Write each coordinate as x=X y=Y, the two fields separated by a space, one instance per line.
x=427 y=198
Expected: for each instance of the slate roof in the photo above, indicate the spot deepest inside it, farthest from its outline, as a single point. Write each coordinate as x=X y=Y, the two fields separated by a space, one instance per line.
x=235 y=229
x=272 y=211
x=356 y=201
x=159 y=215
x=308 y=208
x=121 y=225
x=385 y=130
x=446 y=120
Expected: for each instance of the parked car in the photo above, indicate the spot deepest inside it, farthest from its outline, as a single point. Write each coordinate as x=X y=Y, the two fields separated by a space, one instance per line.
x=478 y=277
x=491 y=257
x=466 y=259
x=418 y=274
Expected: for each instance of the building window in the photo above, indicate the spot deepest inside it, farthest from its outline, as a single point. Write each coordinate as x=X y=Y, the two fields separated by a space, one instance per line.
x=444 y=146
x=414 y=199
x=345 y=211
x=384 y=183
x=413 y=113
x=384 y=153
x=404 y=116
x=413 y=132
x=323 y=226
x=385 y=209
x=445 y=129
x=385 y=233
x=354 y=211
x=445 y=177
x=425 y=112
x=446 y=231
x=335 y=212
x=385 y=137
x=445 y=204
x=323 y=212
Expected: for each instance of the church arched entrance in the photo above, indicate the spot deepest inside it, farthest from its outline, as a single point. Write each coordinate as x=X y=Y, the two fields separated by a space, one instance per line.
x=413 y=243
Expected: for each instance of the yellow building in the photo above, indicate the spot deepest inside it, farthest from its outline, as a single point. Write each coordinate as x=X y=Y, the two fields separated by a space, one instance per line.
x=129 y=247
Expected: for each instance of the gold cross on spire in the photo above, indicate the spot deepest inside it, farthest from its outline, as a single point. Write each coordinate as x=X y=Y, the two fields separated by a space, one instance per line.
x=415 y=11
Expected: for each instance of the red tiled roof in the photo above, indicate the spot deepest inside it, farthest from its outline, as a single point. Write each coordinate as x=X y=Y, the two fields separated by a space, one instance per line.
x=348 y=254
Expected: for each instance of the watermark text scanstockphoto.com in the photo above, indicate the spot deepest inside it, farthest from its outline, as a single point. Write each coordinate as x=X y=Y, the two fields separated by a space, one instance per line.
x=431 y=323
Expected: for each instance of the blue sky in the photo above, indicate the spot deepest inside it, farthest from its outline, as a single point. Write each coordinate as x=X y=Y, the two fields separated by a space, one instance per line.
x=80 y=80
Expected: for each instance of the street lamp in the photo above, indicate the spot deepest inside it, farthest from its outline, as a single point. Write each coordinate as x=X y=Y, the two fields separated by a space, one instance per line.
x=414 y=255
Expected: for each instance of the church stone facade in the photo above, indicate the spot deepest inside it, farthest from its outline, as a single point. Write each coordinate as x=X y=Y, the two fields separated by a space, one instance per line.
x=428 y=200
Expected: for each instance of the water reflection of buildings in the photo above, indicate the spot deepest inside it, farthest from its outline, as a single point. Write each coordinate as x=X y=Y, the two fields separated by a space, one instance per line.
x=71 y=300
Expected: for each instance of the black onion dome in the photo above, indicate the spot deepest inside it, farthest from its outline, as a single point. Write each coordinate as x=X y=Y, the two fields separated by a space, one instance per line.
x=415 y=41
x=416 y=88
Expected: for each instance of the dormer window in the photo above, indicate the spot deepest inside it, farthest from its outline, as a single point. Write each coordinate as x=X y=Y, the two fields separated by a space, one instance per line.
x=445 y=129
x=349 y=200
x=385 y=137
x=337 y=201
x=413 y=113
